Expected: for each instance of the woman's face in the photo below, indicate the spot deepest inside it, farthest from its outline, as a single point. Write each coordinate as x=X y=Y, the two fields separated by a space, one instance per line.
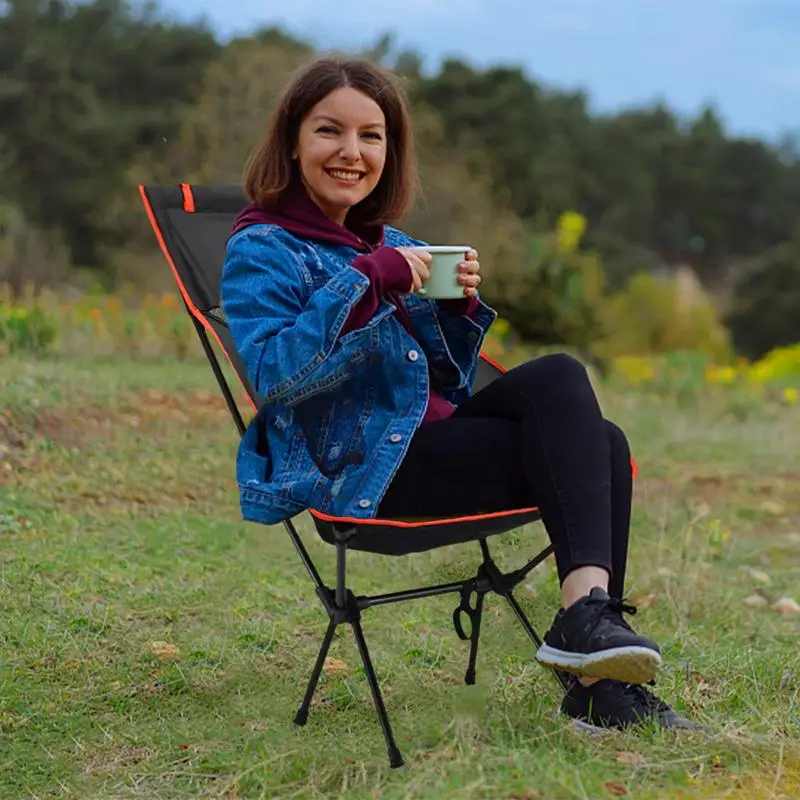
x=341 y=150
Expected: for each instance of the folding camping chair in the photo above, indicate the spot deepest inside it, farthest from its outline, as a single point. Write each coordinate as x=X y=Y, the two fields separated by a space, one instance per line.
x=192 y=224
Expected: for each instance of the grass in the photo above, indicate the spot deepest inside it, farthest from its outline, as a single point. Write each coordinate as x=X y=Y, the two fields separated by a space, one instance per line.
x=154 y=645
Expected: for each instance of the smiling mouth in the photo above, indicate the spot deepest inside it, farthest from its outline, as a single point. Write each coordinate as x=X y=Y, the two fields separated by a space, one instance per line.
x=346 y=175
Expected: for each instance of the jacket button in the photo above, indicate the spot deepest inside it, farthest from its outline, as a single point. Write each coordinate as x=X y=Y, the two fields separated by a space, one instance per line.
x=395 y=438
x=412 y=355
x=365 y=503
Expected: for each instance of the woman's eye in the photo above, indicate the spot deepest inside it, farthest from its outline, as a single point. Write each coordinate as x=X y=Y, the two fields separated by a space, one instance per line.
x=326 y=129
x=373 y=135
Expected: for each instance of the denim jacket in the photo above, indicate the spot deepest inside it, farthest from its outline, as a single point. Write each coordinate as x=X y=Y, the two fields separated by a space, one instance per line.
x=339 y=411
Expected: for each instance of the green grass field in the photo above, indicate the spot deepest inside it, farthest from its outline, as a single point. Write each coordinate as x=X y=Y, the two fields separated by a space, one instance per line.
x=153 y=645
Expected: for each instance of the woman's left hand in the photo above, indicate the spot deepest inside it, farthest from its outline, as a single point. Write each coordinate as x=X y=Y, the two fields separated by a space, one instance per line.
x=468 y=275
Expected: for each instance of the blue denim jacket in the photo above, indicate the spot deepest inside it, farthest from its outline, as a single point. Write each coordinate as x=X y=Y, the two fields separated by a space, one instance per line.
x=339 y=411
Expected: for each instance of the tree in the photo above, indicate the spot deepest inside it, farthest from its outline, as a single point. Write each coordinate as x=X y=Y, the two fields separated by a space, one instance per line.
x=87 y=87
x=766 y=310
x=236 y=94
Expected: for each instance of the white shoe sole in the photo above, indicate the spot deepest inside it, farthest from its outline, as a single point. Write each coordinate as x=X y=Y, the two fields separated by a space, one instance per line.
x=592 y=730
x=626 y=664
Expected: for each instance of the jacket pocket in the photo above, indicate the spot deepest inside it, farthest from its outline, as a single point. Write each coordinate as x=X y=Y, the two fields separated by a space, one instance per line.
x=330 y=381
x=253 y=463
x=333 y=425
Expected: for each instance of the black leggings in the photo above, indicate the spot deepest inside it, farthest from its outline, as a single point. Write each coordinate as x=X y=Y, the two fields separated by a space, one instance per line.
x=535 y=436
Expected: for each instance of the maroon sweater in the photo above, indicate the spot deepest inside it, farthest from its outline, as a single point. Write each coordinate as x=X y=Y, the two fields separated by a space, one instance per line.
x=388 y=271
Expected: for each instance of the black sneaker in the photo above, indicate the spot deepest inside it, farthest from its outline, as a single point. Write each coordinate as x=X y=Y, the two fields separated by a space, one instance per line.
x=592 y=639
x=611 y=704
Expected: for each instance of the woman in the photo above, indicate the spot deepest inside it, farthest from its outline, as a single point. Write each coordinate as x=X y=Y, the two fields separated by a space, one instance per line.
x=367 y=410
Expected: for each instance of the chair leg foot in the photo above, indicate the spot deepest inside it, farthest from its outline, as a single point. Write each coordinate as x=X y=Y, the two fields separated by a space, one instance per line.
x=302 y=713
x=395 y=757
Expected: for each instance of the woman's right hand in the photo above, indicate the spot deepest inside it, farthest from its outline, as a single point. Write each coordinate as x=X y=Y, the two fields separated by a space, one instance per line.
x=418 y=260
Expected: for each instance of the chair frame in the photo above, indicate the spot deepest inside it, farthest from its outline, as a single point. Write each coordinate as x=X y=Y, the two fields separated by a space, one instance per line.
x=339 y=602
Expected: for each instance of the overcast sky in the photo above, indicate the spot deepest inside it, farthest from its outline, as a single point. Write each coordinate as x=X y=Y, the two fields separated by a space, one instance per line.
x=743 y=56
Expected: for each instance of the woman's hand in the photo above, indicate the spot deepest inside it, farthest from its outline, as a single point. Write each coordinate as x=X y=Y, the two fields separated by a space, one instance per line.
x=418 y=260
x=468 y=273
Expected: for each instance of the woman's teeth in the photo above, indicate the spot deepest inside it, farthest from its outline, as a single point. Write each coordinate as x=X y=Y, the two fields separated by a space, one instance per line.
x=344 y=175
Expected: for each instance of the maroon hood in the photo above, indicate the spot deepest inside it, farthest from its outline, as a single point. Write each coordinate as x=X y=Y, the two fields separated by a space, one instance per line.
x=299 y=215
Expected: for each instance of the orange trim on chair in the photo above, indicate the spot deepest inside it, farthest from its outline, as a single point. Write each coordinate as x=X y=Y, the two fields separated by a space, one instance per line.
x=188 y=198
x=393 y=523
x=495 y=364
x=193 y=310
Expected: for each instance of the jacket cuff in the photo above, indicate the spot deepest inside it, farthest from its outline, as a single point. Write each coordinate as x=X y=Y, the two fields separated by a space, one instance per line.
x=387 y=270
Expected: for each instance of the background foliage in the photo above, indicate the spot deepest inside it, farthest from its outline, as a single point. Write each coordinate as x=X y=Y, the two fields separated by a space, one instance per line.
x=507 y=165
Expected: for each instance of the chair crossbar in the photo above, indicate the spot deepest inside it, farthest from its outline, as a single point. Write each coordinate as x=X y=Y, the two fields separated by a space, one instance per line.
x=409 y=594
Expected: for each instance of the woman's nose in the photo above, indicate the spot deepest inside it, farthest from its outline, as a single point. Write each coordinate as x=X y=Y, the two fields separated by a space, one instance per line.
x=350 y=148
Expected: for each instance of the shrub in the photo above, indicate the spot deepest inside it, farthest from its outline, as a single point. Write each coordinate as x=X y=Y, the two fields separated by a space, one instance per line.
x=556 y=296
x=29 y=331
x=94 y=325
x=28 y=253
x=660 y=314
x=781 y=366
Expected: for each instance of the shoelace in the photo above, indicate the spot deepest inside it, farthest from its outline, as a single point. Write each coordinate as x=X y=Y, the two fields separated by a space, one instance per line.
x=615 y=607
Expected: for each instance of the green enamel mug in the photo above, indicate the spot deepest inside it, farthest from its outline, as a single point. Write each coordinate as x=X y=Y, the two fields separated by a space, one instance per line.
x=443 y=284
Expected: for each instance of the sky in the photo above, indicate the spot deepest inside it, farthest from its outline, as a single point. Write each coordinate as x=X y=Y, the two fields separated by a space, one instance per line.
x=741 y=56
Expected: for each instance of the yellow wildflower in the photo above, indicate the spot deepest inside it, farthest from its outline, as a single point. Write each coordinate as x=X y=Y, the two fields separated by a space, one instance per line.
x=569 y=231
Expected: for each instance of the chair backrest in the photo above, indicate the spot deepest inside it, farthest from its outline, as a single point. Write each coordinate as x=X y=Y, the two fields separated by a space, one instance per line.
x=192 y=225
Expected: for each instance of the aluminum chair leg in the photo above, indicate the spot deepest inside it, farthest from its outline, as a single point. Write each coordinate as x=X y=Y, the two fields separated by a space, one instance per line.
x=534 y=637
x=302 y=713
x=522 y=617
x=395 y=757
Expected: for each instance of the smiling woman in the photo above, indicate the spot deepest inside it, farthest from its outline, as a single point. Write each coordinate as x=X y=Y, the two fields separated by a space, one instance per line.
x=341 y=151
x=346 y=138
x=368 y=406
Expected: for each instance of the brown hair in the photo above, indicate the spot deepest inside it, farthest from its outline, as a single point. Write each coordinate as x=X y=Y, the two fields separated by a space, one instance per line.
x=270 y=169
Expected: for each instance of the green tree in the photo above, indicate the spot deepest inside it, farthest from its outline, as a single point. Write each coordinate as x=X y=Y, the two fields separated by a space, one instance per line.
x=656 y=189
x=86 y=87
x=766 y=308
